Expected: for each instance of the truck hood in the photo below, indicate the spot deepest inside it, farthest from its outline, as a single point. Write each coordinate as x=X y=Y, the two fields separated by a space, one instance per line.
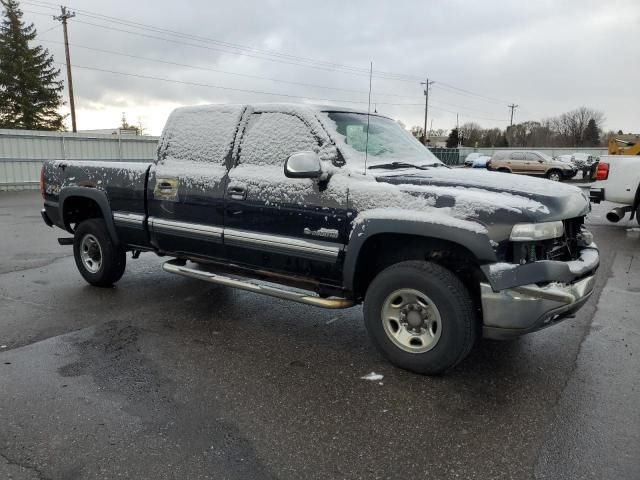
x=538 y=200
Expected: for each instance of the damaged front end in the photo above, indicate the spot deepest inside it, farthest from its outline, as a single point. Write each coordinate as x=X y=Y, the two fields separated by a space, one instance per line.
x=542 y=280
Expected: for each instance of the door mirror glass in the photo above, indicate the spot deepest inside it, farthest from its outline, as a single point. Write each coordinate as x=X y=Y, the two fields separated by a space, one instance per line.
x=303 y=165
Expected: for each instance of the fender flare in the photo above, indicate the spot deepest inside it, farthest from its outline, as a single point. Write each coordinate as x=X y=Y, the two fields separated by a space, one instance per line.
x=97 y=196
x=478 y=243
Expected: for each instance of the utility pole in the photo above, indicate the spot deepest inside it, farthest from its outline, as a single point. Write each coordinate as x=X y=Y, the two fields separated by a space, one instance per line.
x=426 y=84
x=64 y=16
x=513 y=106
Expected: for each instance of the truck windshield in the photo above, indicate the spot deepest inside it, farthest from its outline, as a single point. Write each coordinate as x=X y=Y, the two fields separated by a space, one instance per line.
x=388 y=142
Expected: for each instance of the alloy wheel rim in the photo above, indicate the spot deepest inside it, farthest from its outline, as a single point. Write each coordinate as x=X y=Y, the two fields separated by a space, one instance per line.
x=411 y=320
x=91 y=253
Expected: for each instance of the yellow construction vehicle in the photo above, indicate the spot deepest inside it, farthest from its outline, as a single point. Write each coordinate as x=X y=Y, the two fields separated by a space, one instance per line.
x=623 y=147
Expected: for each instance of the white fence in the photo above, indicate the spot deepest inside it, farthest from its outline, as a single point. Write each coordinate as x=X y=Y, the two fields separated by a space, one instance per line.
x=23 y=151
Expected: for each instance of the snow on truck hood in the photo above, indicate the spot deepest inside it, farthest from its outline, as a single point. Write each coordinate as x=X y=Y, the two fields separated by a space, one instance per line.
x=538 y=199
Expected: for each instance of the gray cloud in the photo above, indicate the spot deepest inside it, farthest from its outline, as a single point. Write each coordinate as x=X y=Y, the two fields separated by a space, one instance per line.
x=547 y=56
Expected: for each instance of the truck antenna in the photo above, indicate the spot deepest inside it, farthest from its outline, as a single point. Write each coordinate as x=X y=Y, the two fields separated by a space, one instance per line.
x=366 y=145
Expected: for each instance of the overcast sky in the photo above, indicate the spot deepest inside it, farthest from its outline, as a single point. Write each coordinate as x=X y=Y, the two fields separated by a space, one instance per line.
x=546 y=56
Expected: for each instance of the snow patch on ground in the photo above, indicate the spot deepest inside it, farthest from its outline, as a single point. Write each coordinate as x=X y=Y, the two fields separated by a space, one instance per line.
x=373 y=377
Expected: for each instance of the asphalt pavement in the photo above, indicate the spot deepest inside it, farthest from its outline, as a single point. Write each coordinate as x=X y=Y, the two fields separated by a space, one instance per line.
x=164 y=377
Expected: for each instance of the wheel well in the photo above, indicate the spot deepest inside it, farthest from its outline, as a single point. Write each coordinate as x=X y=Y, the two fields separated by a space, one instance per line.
x=504 y=169
x=383 y=250
x=78 y=209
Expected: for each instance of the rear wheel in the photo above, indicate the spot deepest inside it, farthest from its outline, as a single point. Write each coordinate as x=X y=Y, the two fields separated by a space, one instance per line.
x=554 y=176
x=99 y=261
x=504 y=170
x=420 y=316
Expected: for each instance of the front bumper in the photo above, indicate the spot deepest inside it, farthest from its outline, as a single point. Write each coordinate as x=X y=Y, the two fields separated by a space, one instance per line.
x=525 y=307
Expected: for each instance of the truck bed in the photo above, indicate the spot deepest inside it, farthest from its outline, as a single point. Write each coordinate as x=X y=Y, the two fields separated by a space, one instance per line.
x=114 y=186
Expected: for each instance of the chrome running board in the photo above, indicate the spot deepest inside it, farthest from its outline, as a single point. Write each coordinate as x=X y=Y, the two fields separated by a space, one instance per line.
x=176 y=266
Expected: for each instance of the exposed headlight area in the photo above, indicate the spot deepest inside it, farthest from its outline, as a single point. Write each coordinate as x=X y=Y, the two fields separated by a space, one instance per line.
x=560 y=240
x=531 y=232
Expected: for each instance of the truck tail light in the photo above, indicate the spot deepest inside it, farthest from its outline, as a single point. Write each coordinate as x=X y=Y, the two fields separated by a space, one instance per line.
x=602 y=172
x=42 y=181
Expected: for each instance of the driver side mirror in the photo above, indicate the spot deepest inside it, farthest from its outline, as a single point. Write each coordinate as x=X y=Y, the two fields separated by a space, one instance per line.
x=303 y=165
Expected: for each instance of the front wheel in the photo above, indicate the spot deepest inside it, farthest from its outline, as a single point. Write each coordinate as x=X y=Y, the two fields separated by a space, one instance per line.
x=420 y=316
x=99 y=261
x=554 y=176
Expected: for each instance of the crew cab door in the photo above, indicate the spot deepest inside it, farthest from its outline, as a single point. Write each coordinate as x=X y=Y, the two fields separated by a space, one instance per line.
x=291 y=225
x=186 y=187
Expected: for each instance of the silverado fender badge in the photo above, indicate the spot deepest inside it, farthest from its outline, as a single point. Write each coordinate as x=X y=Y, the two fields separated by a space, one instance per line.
x=321 y=232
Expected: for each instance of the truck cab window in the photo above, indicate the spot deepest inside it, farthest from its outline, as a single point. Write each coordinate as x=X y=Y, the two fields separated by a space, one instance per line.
x=271 y=138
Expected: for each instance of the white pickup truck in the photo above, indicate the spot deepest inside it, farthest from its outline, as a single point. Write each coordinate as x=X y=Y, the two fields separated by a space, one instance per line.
x=617 y=179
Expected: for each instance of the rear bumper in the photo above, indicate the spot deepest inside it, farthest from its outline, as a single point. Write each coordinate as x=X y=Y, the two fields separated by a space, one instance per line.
x=46 y=218
x=521 y=299
x=596 y=195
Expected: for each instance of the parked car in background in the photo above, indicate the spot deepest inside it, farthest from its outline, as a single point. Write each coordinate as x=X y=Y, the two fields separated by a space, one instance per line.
x=469 y=159
x=585 y=162
x=531 y=162
x=581 y=159
x=476 y=160
x=566 y=158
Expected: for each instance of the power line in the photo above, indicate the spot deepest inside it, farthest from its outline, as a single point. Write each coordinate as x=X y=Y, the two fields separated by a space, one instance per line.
x=221 y=87
x=279 y=55
x=226 y=72
x=260 y=92
x=137 y=57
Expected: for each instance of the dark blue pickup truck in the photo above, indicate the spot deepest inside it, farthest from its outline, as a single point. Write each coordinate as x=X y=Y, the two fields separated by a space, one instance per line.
x=332 y=208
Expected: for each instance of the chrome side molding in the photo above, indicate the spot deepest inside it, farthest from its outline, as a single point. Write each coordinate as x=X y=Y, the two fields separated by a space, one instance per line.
x=192 y=230
x=176 y=266
x=313 y=249
x=127 y=219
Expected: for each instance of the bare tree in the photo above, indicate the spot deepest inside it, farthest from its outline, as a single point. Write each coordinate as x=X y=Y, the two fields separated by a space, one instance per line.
x=470 y=134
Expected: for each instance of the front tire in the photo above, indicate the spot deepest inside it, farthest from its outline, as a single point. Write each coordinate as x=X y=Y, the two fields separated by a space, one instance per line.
x=420 y=316
x=100 y=262
x=554 y=176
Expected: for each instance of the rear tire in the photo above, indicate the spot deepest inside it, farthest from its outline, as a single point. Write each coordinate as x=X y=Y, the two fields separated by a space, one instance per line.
x=100 y=262
x=420 y=316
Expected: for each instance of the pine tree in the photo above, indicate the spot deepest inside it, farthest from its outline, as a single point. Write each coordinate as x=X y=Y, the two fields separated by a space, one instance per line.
x=591 y=134
x=452 y=141
x=30 y=91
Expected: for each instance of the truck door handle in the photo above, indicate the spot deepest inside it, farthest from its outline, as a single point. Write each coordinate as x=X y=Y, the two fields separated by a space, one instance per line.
x=237 y=193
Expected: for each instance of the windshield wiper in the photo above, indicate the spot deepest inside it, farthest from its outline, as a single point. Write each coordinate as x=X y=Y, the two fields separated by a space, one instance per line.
x=398 y=165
